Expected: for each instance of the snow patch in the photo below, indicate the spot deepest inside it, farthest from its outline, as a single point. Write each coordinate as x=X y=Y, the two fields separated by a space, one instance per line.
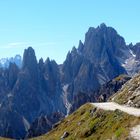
x=131 y=52
x=26 y=124
x=130 y=63
x=135 y=132
x=9 y=95
x=101 y=79
x=66 y=102
x=3 y=61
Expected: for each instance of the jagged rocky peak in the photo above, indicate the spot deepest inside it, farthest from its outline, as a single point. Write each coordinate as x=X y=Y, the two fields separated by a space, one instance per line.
x=30 y=65
x=104 y=41
x=47 y=61
x=103 y=25
x=93 y=30
x=51 y=70
x=80 y=46
x=29 y=58
x=51 y=67
x=74 y=50
x=40 y=126
x=96 y=61
x=13 y=74
x=41 y=61
x=51 y=64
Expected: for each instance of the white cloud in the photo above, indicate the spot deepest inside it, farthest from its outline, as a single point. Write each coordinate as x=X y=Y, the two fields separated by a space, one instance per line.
x=26 y=44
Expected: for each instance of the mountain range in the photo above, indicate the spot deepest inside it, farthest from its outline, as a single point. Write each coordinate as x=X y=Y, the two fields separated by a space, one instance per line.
x=5 y=62
x=36 y=95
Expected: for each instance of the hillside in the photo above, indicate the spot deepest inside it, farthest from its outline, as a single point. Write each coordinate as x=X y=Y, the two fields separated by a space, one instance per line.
x=129 y=93
x=90 y=123
x=4 y=138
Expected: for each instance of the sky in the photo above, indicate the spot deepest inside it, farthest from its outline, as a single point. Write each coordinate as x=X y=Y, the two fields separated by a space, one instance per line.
x=53 y=27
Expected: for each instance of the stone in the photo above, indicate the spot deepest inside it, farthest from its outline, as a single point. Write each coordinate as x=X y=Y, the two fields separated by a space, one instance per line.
x=65 y=135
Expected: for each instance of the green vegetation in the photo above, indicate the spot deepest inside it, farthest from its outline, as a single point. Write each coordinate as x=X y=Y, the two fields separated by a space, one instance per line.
x=120 y=77
x=89 y=123
x=4 y=138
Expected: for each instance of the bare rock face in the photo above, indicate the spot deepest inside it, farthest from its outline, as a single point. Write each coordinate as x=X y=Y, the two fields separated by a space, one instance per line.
x=132 y=63
x=40 y=126
x=30 y=64
x=13 y=74
x=111 y=87
x=136 y=50
x=96 y=61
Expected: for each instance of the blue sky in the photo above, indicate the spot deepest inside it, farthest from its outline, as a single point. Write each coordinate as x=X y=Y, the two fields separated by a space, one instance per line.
x=53 y=27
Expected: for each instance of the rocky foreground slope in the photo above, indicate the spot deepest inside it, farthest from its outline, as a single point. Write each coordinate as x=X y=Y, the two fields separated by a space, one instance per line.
x=130 y=93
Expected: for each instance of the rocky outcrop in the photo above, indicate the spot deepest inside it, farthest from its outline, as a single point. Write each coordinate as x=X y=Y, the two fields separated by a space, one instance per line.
x=111 y=87
x=130 y=93
x=40 y=126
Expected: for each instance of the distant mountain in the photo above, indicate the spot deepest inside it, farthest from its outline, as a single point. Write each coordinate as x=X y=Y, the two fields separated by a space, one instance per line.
x=35 y=91
x=5 y=62
x=39 y=94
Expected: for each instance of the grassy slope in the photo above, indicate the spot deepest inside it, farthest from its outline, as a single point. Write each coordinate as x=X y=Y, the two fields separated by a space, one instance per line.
x=101 y=125
x=4 y=138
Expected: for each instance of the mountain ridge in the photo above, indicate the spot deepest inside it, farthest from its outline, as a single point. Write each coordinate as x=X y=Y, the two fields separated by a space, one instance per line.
x=46 y=91
x=5 y=62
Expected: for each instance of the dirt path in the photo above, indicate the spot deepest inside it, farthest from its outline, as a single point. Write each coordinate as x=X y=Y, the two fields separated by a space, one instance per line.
x=135 y=132
x=113 y=106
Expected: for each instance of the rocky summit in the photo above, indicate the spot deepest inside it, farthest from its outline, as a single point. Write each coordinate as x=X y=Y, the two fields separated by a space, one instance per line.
x=36 y=95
